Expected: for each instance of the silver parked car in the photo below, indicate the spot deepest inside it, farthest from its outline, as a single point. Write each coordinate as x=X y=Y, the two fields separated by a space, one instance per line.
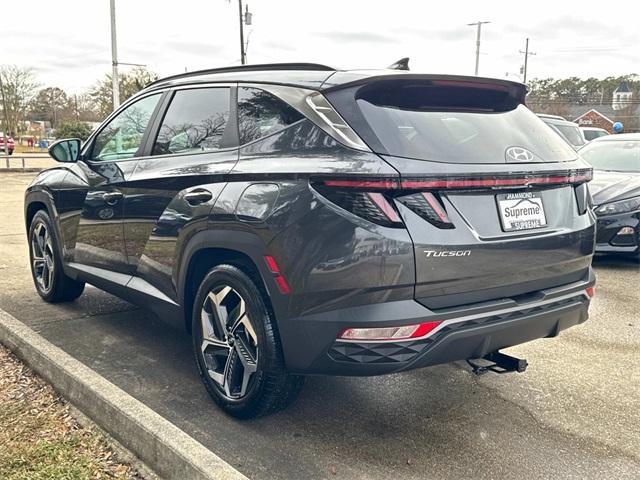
x=569 y=131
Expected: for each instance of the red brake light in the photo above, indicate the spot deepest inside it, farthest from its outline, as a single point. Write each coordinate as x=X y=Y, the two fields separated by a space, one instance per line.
x=373 y=198
x=516 y=181
x=435 y=205
x=365 y=198
x=384 y=205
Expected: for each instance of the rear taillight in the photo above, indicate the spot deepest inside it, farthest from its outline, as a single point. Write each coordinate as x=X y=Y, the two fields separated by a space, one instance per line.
x=374 y=198
x=373 y=206
x=428 y=206
x=404 y=332
x=573 y=177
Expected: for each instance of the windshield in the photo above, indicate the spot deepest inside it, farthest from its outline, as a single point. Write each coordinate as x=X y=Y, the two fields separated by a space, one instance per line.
x=617 y=156
x=572 y=134
x=418 y=132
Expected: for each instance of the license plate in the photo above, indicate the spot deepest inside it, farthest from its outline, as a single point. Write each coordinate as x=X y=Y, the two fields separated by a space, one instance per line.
x=521 y=211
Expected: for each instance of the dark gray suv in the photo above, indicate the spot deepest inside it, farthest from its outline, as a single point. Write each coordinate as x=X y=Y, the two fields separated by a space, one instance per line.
x=298 y=219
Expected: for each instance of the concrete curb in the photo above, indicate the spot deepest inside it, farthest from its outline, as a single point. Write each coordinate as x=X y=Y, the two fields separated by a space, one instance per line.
x=162 y=446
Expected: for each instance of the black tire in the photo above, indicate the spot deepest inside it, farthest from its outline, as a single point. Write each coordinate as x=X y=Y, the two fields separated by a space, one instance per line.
x=57 y=287
x=269 y=387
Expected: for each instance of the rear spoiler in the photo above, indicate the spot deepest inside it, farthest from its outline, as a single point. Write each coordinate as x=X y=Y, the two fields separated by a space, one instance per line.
x=508 y=93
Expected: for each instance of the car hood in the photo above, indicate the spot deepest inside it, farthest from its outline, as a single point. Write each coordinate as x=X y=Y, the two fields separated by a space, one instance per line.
x=611 y=186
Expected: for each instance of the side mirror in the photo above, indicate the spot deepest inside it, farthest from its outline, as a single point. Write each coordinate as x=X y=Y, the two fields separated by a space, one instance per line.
x=67 y=150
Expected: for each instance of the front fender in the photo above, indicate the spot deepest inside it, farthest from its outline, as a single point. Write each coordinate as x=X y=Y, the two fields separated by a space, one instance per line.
x=45 y=188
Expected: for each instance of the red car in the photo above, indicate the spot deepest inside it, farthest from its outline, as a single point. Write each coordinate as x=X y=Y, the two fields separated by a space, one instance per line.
x=10 y=144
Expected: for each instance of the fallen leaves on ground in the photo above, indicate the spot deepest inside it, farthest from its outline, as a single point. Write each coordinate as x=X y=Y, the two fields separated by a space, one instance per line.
x=40 y=439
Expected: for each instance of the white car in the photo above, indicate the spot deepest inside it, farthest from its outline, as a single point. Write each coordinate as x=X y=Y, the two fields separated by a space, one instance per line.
x=591 y=133
x=568 y=131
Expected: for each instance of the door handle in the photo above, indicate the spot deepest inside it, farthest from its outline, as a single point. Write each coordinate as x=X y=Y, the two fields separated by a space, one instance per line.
x=111 y=198
x=197 y=197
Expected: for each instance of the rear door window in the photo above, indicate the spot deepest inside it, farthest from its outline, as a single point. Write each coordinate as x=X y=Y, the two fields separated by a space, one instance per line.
x=408 y=123
x=260 y=114
x=196 y=121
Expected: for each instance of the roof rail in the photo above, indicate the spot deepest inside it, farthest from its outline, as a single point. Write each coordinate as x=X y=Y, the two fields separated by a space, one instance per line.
x=248 y=68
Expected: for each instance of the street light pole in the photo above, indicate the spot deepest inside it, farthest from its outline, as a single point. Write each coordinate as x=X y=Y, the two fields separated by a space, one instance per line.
x=5 y=118
x=479 y=25
x=115 y=83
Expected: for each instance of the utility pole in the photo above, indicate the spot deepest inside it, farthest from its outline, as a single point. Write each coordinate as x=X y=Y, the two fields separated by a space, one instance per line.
x=526 y=59
x=245 y=19
x=115 y=81
x=479 y=25
x=243 y=59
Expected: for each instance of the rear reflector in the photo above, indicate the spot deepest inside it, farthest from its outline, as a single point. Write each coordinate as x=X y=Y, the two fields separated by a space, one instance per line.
x=590 y=291
x=404 y=332
x=283 y=286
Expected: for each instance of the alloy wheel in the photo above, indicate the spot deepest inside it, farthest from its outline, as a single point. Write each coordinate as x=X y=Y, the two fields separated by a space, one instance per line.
x=229 y=342
x=42 y=257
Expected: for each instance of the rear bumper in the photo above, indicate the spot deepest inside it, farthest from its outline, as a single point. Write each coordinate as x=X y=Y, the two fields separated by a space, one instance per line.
x=310 y=344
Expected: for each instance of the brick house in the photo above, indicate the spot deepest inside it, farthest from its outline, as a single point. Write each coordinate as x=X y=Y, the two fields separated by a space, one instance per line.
x=593 y=118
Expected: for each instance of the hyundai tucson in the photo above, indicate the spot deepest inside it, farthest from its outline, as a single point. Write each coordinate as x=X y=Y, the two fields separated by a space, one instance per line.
x=298 y=220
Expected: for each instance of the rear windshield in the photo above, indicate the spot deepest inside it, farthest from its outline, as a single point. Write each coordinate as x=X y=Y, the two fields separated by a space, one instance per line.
x=617 y=156
x=591 y=134
x=413 y=128
x=572 y=134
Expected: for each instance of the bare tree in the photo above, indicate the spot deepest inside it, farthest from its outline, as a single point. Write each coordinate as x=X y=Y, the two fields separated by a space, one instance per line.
x=18 y=89
x=130 y=84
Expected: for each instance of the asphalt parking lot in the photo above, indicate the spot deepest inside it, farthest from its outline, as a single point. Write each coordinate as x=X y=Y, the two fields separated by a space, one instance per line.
x=575 y=413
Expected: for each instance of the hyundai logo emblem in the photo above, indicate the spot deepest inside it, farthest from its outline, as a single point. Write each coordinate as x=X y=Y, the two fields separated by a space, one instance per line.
x=518 y=154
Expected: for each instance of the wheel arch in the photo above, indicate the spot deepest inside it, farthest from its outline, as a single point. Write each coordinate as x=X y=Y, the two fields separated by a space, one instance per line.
x=34 y=202
x=207 y=249
x=31 y=210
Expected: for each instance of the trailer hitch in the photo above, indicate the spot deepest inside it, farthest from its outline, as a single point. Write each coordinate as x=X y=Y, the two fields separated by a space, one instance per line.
x=499 y=363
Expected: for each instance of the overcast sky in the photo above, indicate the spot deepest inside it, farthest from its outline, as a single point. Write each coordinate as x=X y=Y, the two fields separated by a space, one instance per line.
x=67 y=42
